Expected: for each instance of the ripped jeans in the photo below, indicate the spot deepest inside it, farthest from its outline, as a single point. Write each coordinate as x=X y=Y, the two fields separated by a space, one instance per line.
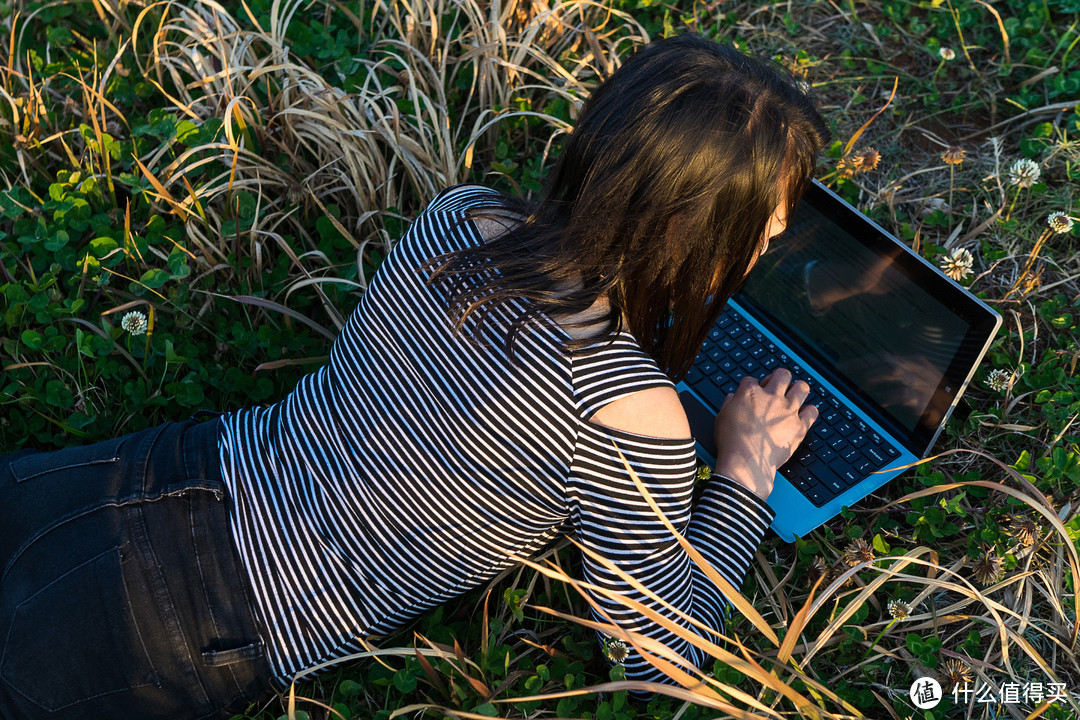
x=121 y=592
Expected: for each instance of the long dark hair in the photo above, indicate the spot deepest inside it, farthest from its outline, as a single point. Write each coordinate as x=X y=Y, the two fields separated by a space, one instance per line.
x=659 y=201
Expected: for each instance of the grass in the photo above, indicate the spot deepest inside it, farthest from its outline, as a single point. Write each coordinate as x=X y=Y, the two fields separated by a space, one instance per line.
x=235 y=173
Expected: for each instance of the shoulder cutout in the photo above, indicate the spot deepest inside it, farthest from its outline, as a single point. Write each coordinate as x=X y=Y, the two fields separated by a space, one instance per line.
x=653 y=412
x=492 y=227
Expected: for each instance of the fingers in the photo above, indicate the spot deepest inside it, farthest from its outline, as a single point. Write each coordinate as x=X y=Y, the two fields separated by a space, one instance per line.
x=780 y=382
x=780 y=377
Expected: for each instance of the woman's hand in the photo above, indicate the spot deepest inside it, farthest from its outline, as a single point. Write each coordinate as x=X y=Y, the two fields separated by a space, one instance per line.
x=759 y=427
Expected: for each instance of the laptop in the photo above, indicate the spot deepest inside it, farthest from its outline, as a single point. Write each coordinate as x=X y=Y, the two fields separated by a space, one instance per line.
x=886 y=341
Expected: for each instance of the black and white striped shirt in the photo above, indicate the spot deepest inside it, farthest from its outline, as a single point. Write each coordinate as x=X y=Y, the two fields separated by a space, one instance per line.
x=418 y=464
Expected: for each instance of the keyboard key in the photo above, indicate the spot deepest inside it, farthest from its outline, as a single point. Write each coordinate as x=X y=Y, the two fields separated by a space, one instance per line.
x=792 y=470
x=818 y=495
x=837 y=442
x=849 y=475
x=799 y=476
x=864 y=465
x=875 y=454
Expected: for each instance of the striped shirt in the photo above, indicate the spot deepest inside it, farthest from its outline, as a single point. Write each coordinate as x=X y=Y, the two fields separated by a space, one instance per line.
x=418 y=464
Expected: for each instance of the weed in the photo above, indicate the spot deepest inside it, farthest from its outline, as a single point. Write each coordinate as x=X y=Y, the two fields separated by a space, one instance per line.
x=194 y=196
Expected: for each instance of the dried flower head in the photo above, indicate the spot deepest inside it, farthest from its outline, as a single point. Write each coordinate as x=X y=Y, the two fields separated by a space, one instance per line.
x=838 y=569
x=998 y=380
x=899 y=610
x=134 y=323
x=1059 y=222
x=990 y=568
x=1024 y=173
x=947 y=53
x=955 y=673
x=957 y=264
x=867 y=160
x=1024 y=529
x=858 y=551
x=616 y=651
x=819 y=569
x=846 y=167
x=954 y=155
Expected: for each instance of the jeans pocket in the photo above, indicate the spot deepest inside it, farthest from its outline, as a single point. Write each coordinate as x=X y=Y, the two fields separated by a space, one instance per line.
x=37 y=464
x=74 y=639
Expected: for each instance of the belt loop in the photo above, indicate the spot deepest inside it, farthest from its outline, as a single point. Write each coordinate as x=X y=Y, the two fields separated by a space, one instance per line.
x=141 y=467
x=199 y=450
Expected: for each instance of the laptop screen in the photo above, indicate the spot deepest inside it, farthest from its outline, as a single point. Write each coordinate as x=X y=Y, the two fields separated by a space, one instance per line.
x=882 y=324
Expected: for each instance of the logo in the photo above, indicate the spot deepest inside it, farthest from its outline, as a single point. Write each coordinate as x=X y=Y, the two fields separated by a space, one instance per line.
x=925 y=693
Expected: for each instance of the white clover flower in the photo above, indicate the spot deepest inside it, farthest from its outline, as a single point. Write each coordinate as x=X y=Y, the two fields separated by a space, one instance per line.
x=998 y=380
x=899 y=610
x=616 y=651
x=134 y=323
x=957 y=264
x=1059 y=222
x=947 y=53
x=1024 y=173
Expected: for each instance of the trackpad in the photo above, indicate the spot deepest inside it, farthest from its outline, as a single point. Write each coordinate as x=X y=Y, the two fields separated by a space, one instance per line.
x=701 y=420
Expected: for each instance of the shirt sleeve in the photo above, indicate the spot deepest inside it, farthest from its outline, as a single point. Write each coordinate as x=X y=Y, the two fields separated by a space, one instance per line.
x=611 y=518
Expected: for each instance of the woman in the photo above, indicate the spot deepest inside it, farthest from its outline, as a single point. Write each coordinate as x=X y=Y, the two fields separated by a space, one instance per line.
x=477 y=405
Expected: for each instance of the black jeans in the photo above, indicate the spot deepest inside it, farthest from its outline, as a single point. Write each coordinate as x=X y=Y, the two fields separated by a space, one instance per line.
x=121 y=592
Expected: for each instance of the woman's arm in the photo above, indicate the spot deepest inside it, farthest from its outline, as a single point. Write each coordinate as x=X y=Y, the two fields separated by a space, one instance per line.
x=726 y=526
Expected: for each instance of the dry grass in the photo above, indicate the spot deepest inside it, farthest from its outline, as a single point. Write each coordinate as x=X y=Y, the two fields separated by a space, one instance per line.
x=443 y=81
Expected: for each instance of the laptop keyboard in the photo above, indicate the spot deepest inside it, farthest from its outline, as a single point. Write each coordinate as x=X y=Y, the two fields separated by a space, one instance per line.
x=838 y=451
